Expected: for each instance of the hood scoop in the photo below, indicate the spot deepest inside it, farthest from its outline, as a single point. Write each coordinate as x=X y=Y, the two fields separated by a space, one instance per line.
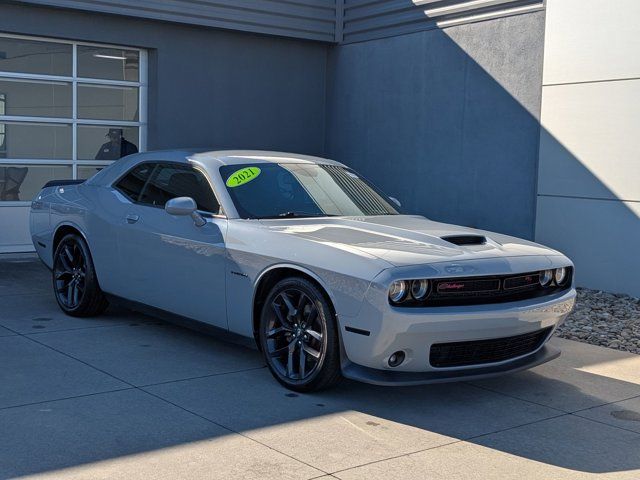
x=465 y=240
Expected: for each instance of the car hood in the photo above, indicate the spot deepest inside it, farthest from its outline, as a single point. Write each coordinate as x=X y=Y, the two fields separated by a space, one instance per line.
x=403 y=240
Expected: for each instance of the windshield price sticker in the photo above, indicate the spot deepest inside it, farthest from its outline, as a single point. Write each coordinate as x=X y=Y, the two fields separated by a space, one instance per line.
x=242 y=176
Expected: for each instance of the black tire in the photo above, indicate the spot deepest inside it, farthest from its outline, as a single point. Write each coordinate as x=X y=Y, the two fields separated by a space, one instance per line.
x=298 y=336
x=75 y=284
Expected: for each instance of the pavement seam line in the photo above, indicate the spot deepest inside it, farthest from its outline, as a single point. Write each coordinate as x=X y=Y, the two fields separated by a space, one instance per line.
x=201 y=376
x=516 y=426
x=77 y=360
x=28 y=337
x=170 y=403
x=516 y=397
x=571 y=412
x=396 y=456
x=66 y=398
x=600 y=422
x=233 y=431
x=604 y=404
x=460 y=440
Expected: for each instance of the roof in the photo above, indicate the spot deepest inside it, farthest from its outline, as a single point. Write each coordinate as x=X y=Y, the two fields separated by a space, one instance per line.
x=211 y=160
x=237 y=157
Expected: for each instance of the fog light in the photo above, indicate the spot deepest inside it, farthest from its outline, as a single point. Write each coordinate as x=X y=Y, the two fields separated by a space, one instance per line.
x=398 y=291
x=560 y=275
x=396 y=358
x=546 y=277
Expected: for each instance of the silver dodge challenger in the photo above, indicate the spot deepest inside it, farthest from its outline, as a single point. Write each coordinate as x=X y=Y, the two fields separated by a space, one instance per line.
x=308 y=259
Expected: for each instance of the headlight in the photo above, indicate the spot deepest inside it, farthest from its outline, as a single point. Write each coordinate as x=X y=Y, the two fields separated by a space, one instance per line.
x=560 y=275
x=546 y=277
x=398 y=291
x=420 y=289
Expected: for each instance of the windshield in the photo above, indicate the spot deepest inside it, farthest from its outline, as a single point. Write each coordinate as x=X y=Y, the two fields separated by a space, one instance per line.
x=271 y=190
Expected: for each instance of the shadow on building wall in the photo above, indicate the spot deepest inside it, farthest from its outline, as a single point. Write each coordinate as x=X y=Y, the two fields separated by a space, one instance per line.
x=448 y=121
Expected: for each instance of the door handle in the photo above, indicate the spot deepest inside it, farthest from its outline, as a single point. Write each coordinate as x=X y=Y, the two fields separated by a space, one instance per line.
x=132 y=218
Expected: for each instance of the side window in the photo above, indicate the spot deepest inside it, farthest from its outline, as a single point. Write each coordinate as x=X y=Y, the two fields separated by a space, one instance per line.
x=132 y=183
x=177 y=180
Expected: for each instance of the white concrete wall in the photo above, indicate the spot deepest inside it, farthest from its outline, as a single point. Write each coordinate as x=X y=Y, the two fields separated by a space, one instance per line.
x=589 y=171
x=14 y=229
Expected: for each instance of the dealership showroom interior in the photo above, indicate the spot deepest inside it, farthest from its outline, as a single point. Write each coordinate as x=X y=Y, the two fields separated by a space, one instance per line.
x=316 y=239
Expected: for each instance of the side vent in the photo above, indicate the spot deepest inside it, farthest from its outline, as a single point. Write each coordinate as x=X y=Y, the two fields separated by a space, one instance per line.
x=464 y=240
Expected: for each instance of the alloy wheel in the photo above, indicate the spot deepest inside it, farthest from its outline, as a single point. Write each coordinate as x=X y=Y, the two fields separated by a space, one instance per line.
x=70 y=271
x=295 y=337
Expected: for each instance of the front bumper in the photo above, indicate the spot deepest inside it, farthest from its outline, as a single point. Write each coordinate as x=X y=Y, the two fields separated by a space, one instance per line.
x=414 y=330
x=397 y=378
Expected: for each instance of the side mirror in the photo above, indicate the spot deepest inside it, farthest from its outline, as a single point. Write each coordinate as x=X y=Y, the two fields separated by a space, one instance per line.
x=396 y=201
x=183 y=206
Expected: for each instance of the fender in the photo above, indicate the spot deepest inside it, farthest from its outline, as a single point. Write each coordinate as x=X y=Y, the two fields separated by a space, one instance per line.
x=292 y=266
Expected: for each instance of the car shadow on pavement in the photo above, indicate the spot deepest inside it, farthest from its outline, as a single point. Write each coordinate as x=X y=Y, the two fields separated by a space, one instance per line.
x=135 y=390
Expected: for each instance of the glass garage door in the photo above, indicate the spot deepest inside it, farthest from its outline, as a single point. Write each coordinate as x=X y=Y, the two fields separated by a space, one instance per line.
x=67 y=109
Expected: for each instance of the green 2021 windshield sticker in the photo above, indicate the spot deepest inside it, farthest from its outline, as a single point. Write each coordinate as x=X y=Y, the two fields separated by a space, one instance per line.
x=242 y=176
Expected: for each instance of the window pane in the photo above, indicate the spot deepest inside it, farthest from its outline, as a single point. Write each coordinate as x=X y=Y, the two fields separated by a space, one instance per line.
x=131 y=185
x=97 y=142
x=36 y=98
x=23 y=182
x=32 y=56
x=3 y=145
x=108 y=63
x=88 y=171
x=101 y=102
x=171 y=181
x=37 y=140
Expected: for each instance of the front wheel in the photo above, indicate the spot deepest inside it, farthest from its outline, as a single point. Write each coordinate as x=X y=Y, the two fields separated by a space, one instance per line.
x=298 y=336
x=74 y=279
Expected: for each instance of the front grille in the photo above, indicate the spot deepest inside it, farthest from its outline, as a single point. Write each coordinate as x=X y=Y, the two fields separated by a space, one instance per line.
x=447 y=292
x=460 y=354
x=462 y=287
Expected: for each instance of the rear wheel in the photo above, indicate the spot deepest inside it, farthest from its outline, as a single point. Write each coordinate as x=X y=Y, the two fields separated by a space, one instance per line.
x=298 y=336
x=74 y=279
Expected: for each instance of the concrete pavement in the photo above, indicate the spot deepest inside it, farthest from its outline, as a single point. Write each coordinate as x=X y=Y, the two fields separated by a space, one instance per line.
x=129 y=396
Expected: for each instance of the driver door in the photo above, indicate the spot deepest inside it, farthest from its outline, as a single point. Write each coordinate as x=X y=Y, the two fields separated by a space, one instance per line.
x=168 y=262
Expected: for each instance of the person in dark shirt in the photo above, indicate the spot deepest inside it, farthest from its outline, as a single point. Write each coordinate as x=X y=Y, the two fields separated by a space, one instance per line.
x=117 y=146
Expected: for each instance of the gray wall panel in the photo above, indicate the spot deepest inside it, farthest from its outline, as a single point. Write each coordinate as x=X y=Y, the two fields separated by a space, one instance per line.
x=445 y=120
x=207 y=88
x=309 y=19
x=600 y=236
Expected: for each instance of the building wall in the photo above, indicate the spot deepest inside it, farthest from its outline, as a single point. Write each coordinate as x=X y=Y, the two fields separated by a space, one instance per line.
x=446 y=120
x=342 y=21
x=589 y=174
x=309 y=19
x=207 y=88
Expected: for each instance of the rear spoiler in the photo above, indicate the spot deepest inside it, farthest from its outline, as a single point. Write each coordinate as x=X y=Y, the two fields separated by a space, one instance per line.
x=60 y=183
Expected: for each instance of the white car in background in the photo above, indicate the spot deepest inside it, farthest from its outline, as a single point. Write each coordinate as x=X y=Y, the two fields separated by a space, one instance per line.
x=307 y=258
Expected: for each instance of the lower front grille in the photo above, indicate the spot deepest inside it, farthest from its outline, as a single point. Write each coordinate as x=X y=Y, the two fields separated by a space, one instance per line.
x=477 y=352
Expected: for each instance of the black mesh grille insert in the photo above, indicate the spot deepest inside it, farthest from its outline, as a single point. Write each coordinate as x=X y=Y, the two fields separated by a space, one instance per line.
x=460 y=354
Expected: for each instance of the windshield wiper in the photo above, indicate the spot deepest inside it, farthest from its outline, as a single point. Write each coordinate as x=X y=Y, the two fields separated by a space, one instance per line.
x=293 y=214
x=301 y=214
